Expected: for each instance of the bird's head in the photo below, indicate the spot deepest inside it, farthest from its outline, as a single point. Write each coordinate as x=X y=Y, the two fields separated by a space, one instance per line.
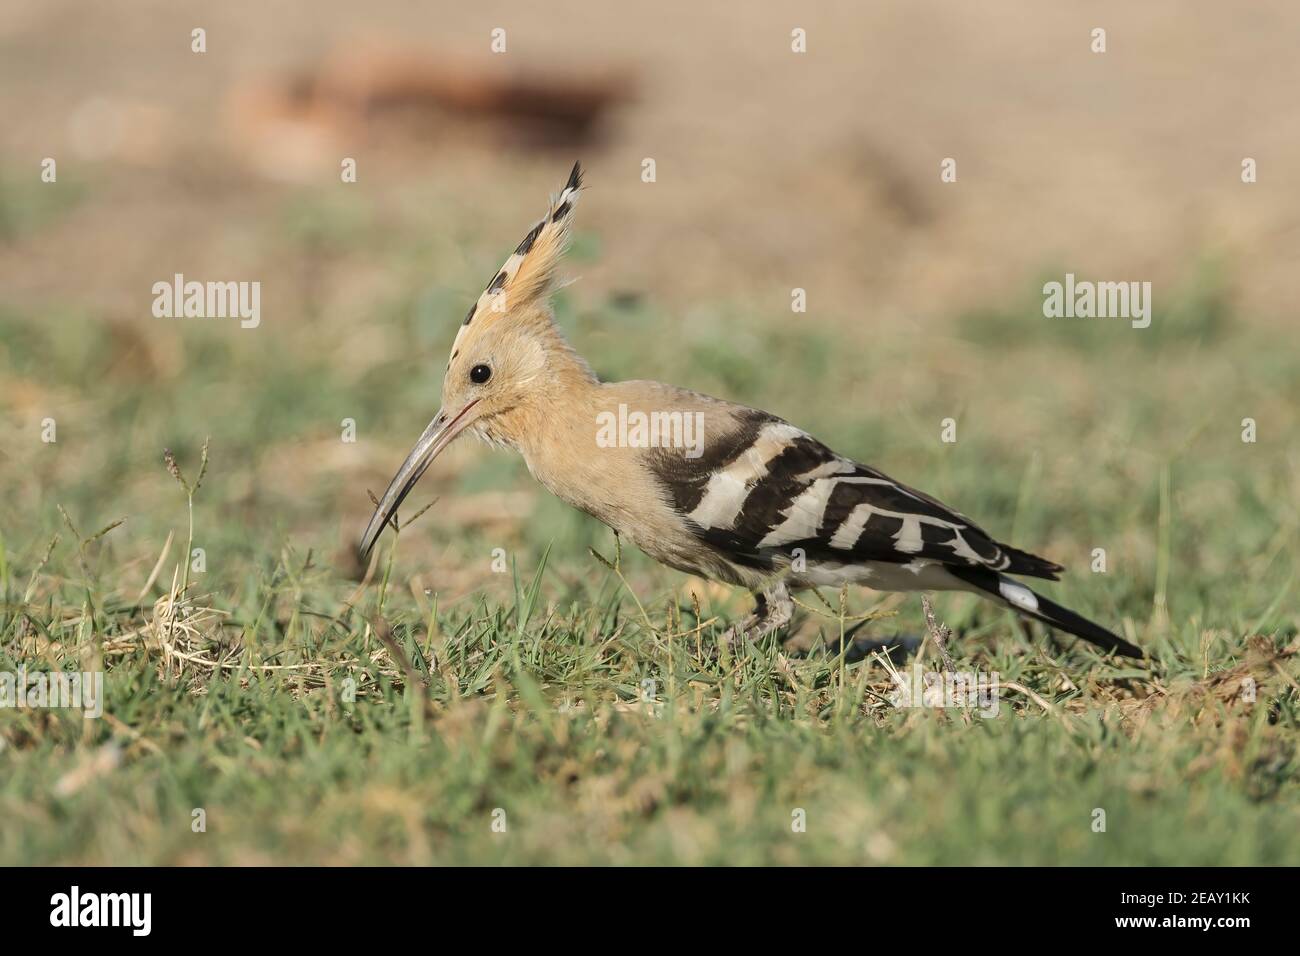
x=508 y=362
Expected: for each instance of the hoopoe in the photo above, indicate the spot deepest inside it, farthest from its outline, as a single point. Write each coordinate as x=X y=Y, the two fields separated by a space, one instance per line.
x=708 y=487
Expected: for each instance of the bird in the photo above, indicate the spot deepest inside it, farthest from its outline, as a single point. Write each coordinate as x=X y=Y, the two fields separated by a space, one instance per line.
x=709 y=487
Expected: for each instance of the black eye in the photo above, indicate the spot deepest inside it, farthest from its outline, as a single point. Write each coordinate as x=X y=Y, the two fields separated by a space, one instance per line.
x=480 y=374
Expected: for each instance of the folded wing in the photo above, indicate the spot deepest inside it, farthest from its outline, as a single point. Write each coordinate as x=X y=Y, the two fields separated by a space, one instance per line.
x=764 y=488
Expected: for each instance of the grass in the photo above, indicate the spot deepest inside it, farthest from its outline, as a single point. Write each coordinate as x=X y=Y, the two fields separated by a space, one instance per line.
x=572 y=709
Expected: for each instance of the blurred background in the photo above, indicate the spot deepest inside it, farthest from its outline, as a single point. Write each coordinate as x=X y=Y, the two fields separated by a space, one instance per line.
x=774 y=170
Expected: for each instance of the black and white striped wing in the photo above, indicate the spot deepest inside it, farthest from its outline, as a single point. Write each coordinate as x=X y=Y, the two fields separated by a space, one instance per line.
x=766 y=488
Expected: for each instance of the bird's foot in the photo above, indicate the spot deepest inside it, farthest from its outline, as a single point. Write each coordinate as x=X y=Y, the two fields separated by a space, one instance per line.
x=741 y=631
x=773 y=610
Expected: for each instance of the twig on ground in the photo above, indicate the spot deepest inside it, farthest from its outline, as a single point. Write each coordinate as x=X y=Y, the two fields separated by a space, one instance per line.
x=938 y=631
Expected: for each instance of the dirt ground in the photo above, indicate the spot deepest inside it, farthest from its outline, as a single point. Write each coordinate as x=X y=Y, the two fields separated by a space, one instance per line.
x=774 y=169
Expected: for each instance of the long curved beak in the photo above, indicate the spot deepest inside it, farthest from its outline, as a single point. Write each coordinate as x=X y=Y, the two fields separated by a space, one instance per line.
x=435 y=438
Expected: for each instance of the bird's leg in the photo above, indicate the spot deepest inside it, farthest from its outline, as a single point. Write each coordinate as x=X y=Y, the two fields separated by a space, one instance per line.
x=773 y=609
